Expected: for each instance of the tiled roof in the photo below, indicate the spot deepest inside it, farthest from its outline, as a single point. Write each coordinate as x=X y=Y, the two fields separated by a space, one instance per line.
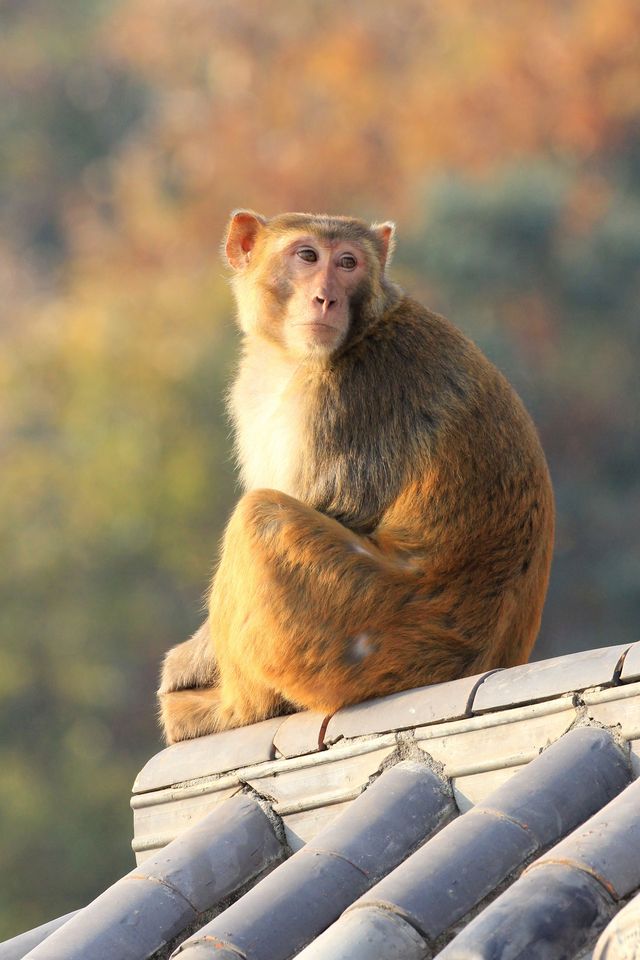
x=490 y=818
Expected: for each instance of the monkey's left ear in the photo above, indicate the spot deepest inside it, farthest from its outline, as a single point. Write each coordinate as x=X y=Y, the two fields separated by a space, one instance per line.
x=386 y=234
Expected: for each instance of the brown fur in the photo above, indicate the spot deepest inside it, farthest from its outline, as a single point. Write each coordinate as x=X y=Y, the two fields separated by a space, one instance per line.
x=410 y=539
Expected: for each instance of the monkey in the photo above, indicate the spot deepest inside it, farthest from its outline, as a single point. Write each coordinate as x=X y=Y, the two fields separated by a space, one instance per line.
x=397 y=519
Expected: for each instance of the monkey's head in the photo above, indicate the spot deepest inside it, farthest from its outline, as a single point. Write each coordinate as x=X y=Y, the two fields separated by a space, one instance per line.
x=313 y=284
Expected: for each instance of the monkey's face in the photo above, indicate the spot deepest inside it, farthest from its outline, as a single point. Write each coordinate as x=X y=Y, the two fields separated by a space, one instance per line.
x=315 y=281
x=309 y=283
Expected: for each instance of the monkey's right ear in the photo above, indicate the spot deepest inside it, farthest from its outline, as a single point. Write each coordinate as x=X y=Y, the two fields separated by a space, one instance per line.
x=244 y=227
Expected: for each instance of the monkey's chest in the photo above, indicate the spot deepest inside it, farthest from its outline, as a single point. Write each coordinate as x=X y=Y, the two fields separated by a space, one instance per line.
x=270 y=440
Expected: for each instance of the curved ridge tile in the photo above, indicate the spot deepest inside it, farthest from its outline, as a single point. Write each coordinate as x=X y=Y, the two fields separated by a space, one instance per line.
x=549 y=678
x=401 y=711
x=203 y=756
x=631 y=665
x=564 y=898
x=154 y=903
x=300 y=733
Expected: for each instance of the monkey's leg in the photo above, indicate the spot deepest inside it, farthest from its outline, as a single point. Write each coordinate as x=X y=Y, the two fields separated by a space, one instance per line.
x=195 y=712
x=189 y=696
x=303 y=606
x=185 y=714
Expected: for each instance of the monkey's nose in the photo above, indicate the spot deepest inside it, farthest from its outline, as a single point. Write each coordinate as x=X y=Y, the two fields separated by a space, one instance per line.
x=325 y=302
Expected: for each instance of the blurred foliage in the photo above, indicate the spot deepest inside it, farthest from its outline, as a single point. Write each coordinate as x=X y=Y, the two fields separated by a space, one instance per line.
x=506 y=141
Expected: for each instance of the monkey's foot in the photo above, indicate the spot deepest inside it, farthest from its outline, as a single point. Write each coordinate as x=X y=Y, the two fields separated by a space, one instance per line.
x=191 y=713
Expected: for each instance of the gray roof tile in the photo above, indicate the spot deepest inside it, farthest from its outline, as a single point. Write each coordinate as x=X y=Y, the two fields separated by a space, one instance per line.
x=369 y=934
x=18 y=947
x=300 y=733
x=334 y=868
x=631 y=665
x=546 y=915
x=566 y=896
x=146 y=909
x=230 y=846
x=575 y=776
x=608 y=845
x=460 y=866
x=548 y=678
x=410 y=708
x=455 y=870
x=203 y=756
x=396 y=813
x=270 y=922
x=129 y=921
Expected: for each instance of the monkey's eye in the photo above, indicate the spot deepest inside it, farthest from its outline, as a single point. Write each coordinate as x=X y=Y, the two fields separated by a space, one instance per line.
x=308 y=254
x=348 y=261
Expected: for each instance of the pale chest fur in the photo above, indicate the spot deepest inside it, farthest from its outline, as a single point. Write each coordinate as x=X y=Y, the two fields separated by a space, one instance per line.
x=268 y=406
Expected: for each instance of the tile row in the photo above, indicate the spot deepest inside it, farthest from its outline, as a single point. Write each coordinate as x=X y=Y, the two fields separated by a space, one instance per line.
x=515 y=809
x=301 y=898
x=391 y=876
x=465 y=863
x=306 y=733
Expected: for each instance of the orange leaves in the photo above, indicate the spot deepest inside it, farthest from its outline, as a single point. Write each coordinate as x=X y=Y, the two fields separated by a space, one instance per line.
x=317 y=107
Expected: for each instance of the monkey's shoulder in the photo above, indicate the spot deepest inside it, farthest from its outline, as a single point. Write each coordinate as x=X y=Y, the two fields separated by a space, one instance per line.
x=435 y=382
x=430 y=334
x=414 y=357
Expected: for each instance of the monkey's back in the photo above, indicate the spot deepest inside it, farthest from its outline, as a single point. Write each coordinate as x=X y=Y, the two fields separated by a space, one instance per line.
x=422 y=443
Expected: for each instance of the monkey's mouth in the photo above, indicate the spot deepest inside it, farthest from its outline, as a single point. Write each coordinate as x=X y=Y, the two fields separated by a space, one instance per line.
x=318 y=328
x=316 y=337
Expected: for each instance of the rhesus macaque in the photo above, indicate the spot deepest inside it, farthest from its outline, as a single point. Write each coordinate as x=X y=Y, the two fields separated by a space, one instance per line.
x=397 y=524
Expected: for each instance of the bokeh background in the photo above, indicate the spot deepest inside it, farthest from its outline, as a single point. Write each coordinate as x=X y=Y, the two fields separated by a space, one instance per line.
x=503 y=137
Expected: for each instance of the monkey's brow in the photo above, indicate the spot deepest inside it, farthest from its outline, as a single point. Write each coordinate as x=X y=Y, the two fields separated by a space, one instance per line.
x=289 y=241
